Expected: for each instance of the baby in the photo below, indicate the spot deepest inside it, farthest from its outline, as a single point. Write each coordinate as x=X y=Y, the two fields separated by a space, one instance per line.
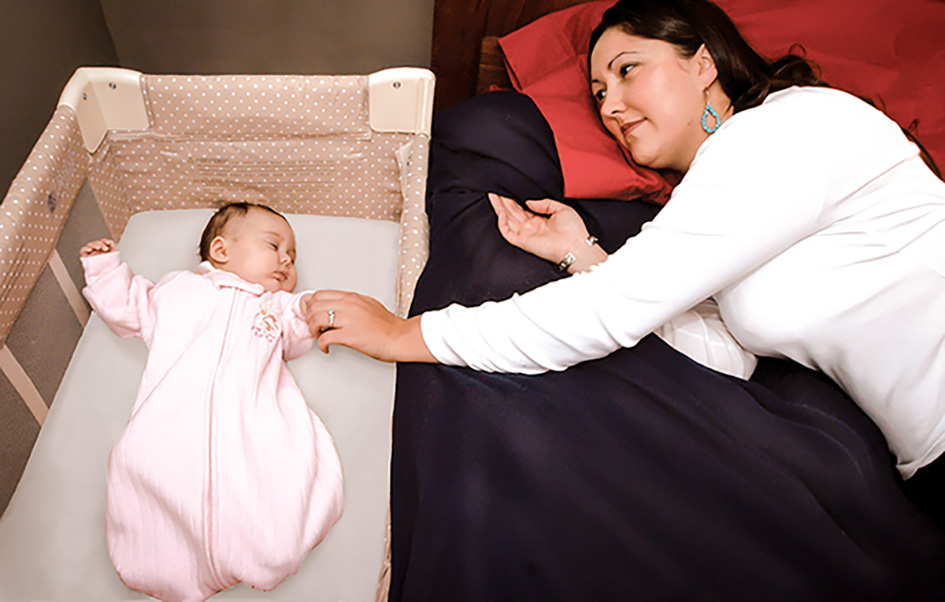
x=223 y=473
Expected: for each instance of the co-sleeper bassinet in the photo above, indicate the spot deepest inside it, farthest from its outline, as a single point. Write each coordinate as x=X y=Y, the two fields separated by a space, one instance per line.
x=345 y=157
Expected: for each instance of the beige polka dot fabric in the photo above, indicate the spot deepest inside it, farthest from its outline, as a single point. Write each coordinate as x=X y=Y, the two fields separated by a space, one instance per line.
x=414 y=227
x=258 y=107
x=301 y=144
x=34 y=210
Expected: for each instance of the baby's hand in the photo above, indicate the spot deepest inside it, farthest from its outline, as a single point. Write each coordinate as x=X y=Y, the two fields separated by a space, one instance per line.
x=306 y=306
x=97 y=247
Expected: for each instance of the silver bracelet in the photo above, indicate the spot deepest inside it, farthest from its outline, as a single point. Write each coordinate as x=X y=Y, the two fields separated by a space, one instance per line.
x=570 y=258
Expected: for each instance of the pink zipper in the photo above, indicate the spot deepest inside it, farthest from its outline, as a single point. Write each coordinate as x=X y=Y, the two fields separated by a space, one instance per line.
x=208 y=514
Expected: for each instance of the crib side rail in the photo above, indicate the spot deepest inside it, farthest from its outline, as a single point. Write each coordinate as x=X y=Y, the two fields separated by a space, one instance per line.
x=45 y=216
x=34 y=211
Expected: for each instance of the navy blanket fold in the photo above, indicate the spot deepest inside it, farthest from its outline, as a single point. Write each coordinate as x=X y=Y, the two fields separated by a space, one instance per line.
x=640 y=476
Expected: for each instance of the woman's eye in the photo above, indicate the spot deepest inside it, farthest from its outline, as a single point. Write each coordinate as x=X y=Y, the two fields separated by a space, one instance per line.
x=625 y=69
x=599 y=96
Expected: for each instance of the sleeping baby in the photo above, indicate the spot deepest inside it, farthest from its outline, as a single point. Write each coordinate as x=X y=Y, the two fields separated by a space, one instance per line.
x=223 y=473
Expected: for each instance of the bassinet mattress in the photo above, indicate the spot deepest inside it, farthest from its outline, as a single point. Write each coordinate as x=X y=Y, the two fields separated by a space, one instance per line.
x=52 y=544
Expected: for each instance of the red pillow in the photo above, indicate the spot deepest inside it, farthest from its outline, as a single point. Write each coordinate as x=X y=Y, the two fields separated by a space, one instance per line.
x=547 y=60
x=888 y=50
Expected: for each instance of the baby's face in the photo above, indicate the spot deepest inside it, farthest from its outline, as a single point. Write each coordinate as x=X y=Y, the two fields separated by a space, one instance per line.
x=260 y=248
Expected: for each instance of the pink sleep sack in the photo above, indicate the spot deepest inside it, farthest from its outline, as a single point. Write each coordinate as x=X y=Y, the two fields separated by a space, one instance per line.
x=223 y=473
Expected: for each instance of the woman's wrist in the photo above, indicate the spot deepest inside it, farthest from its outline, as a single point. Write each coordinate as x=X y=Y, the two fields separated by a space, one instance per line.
x=410 y=345
x=582 y=256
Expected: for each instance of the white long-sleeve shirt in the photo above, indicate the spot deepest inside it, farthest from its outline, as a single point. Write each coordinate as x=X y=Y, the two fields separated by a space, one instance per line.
x=813 y=223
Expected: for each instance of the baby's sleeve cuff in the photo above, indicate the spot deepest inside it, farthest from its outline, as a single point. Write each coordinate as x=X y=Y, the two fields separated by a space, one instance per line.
x=96 y=265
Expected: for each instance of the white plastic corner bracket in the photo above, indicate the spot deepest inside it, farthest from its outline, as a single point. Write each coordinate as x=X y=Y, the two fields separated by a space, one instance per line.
x=105 y=98
x=401 y=100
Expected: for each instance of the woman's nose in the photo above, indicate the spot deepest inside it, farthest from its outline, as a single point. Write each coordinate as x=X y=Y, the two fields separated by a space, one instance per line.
x=611 y=105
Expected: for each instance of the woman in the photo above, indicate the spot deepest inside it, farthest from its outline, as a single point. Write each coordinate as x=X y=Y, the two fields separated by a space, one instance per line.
x=804 y=212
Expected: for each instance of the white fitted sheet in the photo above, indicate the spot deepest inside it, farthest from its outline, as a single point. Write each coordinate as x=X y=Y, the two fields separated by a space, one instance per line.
x=52 y=544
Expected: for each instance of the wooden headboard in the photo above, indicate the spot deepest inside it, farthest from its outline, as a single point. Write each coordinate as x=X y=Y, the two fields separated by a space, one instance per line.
x=465 y=56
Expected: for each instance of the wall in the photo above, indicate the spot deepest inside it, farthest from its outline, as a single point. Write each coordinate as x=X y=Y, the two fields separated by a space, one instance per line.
x=43 y=41
x=41 y=44
x=270 y=36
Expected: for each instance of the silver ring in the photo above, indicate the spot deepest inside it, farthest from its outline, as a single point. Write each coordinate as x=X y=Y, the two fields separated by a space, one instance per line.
x=331 y=318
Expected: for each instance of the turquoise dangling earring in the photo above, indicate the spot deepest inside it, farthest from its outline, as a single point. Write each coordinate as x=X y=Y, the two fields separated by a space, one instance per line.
x=705 y=115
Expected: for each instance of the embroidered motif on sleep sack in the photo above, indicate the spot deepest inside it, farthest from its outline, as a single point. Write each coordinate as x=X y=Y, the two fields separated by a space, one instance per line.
x=266 y=323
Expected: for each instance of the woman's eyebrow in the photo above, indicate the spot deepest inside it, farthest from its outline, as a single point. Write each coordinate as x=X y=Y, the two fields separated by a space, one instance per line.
x=611 y=63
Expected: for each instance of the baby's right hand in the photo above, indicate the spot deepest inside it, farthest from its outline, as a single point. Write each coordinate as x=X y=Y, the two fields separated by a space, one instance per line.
x=97 y=247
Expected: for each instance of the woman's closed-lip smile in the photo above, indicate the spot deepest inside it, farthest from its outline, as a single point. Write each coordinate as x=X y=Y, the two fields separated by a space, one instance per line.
x=626 y=128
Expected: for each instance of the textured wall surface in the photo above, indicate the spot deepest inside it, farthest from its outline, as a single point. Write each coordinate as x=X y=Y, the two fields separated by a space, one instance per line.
x=306 y=37
x=42 y=42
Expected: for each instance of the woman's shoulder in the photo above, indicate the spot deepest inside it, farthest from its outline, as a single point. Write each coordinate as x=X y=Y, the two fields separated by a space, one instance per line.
x=817 y=98
x=800 y=105
x=812 y=116
x=810 y=94
x=818 y=141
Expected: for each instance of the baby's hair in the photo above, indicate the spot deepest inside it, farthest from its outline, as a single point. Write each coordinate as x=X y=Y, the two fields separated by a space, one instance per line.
x=221 y=218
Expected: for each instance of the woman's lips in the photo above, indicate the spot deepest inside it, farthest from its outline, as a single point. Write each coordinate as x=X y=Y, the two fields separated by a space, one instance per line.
x=628 y=127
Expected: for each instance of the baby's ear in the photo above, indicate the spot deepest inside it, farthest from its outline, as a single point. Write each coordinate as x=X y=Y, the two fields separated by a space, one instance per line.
x=218 y=250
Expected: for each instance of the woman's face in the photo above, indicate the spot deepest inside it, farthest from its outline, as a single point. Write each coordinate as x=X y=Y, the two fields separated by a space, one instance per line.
x=650 y=98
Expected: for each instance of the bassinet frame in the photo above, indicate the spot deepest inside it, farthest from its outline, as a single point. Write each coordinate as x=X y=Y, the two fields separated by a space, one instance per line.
x=116 y=132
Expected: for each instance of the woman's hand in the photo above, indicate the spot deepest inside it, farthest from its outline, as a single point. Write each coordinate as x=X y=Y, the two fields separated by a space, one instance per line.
x=549 y=229
x=97 y=247
x=364 y=324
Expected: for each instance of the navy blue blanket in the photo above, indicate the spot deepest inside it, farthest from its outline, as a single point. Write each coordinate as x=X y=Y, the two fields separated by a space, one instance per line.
x=640 y=476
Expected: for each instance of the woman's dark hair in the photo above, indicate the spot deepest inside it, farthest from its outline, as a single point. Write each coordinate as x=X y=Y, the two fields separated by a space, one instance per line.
x=745 y=76
x=221 y=218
